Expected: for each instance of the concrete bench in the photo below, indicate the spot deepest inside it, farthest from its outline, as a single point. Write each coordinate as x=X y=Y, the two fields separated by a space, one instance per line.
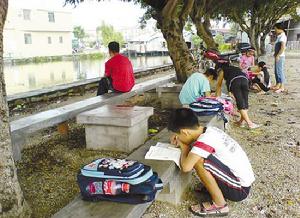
x=169 y=95
x=175 y=184
x=116 y=127
x=23 y=127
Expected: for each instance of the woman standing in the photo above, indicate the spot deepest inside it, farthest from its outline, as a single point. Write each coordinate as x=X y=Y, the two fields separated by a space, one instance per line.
x=279 y=58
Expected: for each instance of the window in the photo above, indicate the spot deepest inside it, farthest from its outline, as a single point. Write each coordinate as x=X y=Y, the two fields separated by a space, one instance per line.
x=51 y=17
x=27 y=38
x=49 y=40
x=26 y=14
x=298 y=37
x=61 y=40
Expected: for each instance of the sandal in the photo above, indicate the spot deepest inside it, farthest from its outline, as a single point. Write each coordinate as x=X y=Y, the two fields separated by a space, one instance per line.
x=240 y=124
x=209 y=209
x=274 y=88
x=279 y=90
x=254 y=126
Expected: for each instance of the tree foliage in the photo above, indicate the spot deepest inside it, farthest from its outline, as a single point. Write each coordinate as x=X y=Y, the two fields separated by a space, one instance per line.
x=79 y=32
x=257 y=17
x=109 y=34
x=201 y=14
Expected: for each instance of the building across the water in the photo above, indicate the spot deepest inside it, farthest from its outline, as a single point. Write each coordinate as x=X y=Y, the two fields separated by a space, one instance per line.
x=31 y=32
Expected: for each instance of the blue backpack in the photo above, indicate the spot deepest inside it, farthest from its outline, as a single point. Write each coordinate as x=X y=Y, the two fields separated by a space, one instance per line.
x=207 y=107
x=118 y=180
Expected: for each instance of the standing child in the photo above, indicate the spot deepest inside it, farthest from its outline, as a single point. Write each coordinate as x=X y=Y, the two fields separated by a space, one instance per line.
x=220 y=162
x=247 y=61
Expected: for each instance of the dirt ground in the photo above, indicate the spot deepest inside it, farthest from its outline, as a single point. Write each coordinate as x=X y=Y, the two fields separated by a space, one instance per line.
x=47 y=171
x=274 y=152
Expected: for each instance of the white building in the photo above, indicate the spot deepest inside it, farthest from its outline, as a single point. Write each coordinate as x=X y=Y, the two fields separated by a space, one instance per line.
x=144 y=40
x=31 y=32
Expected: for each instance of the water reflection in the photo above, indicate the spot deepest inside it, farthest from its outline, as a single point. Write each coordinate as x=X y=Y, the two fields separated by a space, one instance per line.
x=27 y=77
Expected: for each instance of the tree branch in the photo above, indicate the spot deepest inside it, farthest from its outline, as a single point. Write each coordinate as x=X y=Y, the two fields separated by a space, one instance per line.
x=188 y=5
x=169 y=9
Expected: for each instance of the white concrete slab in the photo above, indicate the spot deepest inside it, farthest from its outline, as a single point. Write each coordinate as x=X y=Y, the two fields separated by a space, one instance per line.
x=115 y=115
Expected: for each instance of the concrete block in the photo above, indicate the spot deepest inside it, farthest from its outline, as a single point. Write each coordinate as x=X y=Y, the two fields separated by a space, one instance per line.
x=115 y=115
x=169 y=95
x=175 y=188
x=18 y=141
x=116 y=138
x=117 y=128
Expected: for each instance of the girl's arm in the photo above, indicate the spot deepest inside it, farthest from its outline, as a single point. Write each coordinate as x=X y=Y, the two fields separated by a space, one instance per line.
x=219 y=83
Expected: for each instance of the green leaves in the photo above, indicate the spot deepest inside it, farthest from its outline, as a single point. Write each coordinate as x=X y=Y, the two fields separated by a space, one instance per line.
x=78 y=32
x=108 y=34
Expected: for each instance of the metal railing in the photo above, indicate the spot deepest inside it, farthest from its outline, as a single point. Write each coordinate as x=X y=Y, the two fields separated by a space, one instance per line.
x=293 y=45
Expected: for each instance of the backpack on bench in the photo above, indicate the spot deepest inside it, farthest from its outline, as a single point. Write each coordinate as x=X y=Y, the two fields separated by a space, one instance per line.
x=118 y=180
x=209 y=107
x=206 y=107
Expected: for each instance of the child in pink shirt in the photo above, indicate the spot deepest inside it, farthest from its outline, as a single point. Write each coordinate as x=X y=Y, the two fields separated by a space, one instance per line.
x=247 y=61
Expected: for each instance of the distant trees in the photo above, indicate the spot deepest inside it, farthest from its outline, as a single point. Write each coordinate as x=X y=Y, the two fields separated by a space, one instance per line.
x=79 y=33
x=108 y=34
x=257 y=17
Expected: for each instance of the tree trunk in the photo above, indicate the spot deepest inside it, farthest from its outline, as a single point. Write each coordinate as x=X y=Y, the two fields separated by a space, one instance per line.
x=181 y=56
x=263 y=44
x=12 y=203
x=203 y=31
x=254 y=39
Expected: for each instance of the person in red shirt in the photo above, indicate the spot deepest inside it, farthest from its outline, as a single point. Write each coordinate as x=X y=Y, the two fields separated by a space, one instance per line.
x=119 y=75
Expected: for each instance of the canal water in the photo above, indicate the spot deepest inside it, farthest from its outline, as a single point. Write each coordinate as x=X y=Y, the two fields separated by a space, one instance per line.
x=27 y=77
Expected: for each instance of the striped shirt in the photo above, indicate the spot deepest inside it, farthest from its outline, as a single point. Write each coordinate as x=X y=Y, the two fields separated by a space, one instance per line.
x=217 y=143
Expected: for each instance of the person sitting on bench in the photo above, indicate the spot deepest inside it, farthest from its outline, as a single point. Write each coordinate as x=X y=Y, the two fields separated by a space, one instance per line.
x=196 y=86
x=220 y=162
x=119 y=75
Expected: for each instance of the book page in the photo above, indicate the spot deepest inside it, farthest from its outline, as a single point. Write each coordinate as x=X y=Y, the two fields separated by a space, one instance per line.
x=164 y=145
x=162 y=152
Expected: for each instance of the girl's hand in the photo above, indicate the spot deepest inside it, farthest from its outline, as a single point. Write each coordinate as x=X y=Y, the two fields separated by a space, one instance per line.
x=173 y=139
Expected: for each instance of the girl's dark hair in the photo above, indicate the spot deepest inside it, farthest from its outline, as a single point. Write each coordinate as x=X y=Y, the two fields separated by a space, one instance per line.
x=182 y=118
x=279 y=26
x=211 y=72
x=262 y=64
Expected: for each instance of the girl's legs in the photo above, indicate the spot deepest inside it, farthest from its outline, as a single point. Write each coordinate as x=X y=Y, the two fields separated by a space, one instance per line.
x=240 y=90
x=280 y=73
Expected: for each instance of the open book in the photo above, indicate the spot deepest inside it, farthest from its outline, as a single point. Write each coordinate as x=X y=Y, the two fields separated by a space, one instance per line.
x=164 y=151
